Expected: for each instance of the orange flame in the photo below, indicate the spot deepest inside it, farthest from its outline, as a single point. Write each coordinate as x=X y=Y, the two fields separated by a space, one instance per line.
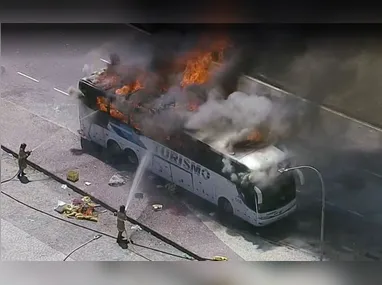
x=127 y=89
x=193 y=107
x=255 y=136
x=197 y=70
x=103 y=104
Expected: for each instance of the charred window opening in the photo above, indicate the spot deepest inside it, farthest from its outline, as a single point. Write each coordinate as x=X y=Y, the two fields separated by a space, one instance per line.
x=279 y=194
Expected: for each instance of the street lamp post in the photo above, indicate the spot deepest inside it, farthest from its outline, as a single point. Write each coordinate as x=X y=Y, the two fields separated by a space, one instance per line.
x=322 y=205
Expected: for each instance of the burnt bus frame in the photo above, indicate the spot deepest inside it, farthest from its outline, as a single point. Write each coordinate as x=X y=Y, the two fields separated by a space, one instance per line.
x=92 y=92
x=206 y=156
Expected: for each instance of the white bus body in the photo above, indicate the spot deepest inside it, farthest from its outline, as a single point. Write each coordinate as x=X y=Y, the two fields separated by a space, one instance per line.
x=179 y=169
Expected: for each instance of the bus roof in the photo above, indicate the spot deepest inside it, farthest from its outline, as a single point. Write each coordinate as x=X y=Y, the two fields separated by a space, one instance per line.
x=252 y=158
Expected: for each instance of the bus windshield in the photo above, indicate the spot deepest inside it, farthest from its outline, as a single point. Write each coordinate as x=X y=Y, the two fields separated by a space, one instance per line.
x=280 y=193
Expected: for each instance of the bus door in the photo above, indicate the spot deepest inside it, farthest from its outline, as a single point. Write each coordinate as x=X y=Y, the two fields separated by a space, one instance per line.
x=182 y=178
x=244 y=203
x=97 y=134
x=97 y=128
x=204 y=188
x=161 y=168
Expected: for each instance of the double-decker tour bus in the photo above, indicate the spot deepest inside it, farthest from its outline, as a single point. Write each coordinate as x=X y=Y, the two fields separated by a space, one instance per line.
x=189 y=162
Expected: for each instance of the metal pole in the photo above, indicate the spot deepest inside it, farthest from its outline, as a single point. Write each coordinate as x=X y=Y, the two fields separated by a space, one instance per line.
x=323 y=202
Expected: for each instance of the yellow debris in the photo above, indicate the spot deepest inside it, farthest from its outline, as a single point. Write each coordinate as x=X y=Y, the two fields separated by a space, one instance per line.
x=73 y=176
x=219 y=258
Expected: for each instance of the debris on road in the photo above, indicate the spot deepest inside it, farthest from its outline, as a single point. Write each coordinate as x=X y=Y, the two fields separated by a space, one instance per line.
x=138 y=195
x=171 y=187
x=136 y=228
x=117 y=180
x=73 y=176
x=219 y=258
x=88 y=183
x=157 y=207
x=64 y=186
x=81 y=209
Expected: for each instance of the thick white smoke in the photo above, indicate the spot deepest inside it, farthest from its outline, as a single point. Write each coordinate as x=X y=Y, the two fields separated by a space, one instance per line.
x=232 y=117
x=239 y=112
x=263 y=174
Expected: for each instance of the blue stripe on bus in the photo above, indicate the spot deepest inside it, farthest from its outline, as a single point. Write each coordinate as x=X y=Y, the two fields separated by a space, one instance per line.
x=127 y=133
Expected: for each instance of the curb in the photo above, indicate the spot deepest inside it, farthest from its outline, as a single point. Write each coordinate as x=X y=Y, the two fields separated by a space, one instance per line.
x=108 y=207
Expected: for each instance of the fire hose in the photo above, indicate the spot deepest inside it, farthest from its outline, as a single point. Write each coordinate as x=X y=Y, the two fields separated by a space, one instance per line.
x=99 y=234
x=106 y=206
x=7 y=180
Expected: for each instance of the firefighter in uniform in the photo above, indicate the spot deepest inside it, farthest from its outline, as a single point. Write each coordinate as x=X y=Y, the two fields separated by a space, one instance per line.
x=22 y=159
x=121 y=218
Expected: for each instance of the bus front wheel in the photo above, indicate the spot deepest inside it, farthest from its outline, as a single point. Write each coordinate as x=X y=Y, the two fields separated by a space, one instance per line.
x=225 y=208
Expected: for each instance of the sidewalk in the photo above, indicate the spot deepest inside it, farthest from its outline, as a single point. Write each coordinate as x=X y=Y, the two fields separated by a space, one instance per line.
x=29 y=235
x=175 y=221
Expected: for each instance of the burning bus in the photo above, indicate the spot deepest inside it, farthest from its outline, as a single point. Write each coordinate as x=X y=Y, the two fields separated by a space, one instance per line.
x=114 y=112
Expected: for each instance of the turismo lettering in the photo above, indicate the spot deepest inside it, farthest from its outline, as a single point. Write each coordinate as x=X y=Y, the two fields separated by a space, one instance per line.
x=182 y=161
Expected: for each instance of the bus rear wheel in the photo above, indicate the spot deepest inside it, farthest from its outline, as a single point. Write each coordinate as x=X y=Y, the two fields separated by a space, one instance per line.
x=114 y=151
x=131 y=157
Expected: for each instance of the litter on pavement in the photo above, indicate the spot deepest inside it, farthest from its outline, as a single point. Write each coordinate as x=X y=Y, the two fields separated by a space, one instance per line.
x=73 y=176
x=81 y=209
x=64 y=186
x=136 y=228
x=171 y=187
x=157 y=207
x=88 y=183
x=138 y=195
x=116 y=180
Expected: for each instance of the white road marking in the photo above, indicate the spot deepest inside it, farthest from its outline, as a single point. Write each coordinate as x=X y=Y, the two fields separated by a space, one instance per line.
x=335 y=206
x=347 y=248
x=31 y=78
x=104 y=60
x=62 y=92
x=355 y=213
x=41 y=117
x=373 y=173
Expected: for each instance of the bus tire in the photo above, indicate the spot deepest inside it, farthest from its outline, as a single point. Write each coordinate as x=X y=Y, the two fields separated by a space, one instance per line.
x=225 y=208
x=131 y=157
x=114 y=151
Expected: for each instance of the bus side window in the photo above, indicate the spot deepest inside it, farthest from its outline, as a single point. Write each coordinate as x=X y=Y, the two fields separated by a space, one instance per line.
x=210 y=158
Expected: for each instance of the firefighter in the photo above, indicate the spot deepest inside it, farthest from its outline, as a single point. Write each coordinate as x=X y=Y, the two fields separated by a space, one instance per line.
x=121 y=218
x=23 y=155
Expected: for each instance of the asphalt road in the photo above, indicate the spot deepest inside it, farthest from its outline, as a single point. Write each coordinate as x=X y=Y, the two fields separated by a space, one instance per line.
x=345 y=151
